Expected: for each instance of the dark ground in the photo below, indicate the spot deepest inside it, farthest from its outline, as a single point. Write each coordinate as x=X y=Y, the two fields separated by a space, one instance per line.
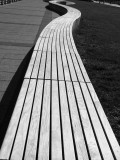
x=98 y=42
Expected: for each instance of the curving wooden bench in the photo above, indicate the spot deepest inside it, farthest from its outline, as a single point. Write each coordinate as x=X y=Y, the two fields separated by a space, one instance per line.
x=58 y=114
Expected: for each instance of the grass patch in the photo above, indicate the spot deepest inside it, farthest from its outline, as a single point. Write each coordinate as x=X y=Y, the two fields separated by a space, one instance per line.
x=98 y=43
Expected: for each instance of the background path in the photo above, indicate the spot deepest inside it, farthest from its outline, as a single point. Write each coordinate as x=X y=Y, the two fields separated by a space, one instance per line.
x=20 y=25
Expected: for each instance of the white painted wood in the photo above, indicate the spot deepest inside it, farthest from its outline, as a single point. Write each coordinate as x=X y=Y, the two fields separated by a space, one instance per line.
x=31 y=64
x=107 y=127
x=31 y=147
x=9 y=137
x=45 y=124
x=91 y=142
x=18 y=148
x=59 y=60
x=48 y=66
x=45 y=32
x=78 y=57
x=36 y=65
x=97 y=126
x=50 y=45
x=41 y=44
x=79 y=139
x=37 y=43
x=54 y=67
x=65 y=66
x=77 y=68
x=72 y=71
x=45 y=45
x=67 y=134
x=42 y=66
x=56 y=133
x=54 y=42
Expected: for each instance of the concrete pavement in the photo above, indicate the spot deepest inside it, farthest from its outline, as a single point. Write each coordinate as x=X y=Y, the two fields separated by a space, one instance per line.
x=20 y=25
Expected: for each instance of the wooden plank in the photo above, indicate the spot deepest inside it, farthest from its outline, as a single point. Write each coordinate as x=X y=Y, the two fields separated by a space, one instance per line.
x=44 y=49
x=59 y=60
x=91 y=142
x=78 y=57
x=67 y=134
x=54 y=66
x=37 y=44
x=74 y=60
x=36 y=65
x=18 y=148
x=54 y=42
x=48 y=66
x=42 y=66
x=65 y=65
x=50 y=45
x=31 y=65
x=56 y=134
x=45 y=32
x=105 y=123
x=11 y=131
x=41 y=44
x=78 y=134
x=68 y=57
x=31 y=146
x=45 y=124
x=96 y=124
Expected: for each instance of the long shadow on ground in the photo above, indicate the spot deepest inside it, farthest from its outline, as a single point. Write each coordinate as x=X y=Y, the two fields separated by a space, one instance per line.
x=10 y=97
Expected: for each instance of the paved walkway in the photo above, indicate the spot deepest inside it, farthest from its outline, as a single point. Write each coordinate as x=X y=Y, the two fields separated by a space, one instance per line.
x=20 y=25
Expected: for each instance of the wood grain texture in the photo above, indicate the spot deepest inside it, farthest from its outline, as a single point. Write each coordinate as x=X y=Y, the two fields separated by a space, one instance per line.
x=18 y=148
x=36 y=65
x=59 y=60
x=56 y=133
x=45 y=124
x=105 y=123
x=31 y=146
x=78 y=134
x=65 y=65
x=68 y=57
x=42 y=66
x=90 y=138
x=75 y=62
x=31 y=65
x=96 y=124
x=67 y=134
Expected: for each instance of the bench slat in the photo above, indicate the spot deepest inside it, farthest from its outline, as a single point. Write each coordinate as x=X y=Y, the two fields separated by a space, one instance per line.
x=104 y=147
x=44 y=141
x=36 y=65
x=59 y=60
x=18 y=148
x=70 y=64
x=114 y=144
x=31 y=146
x=67 y=134
x=78 y=134
x=73 y=57
x=56 y=131
x=64 y=61
x=31 y=64
x=89 y=135
x=42 y=65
